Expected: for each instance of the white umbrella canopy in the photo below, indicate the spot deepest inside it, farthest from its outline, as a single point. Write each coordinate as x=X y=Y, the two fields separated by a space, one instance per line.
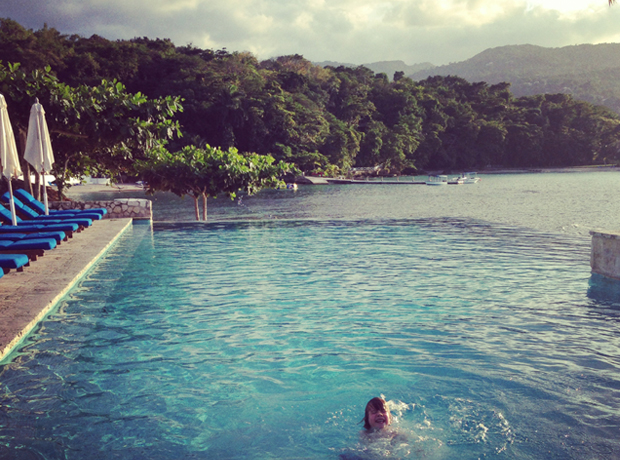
x=39 y=146
x=9 y=161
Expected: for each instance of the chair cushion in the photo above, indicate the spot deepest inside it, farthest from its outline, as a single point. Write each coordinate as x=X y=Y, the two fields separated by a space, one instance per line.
x=35 y=243
x=13 y=261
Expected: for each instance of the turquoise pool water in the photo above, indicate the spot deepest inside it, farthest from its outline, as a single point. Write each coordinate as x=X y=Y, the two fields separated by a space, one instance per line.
x=264 y=340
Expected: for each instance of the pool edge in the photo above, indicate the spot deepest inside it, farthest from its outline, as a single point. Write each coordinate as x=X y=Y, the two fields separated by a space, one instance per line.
x=27 y=297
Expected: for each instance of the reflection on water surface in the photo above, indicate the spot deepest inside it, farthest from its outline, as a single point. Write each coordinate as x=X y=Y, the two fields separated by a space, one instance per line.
x=265 y=339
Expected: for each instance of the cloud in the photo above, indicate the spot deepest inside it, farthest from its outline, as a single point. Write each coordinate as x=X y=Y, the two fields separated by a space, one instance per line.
x=356 y=31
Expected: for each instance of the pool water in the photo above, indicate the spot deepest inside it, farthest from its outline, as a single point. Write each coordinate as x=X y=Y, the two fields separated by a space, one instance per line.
x=265 y=340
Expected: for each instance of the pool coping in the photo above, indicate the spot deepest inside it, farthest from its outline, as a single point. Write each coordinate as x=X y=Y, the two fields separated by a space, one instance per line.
x=26 y=297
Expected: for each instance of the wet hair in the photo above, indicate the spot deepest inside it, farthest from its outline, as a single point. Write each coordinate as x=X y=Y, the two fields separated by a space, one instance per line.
x=378 y=404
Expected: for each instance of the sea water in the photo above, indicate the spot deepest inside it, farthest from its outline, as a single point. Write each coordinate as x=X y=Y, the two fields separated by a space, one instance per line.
x=264 y=339
x=566 y=203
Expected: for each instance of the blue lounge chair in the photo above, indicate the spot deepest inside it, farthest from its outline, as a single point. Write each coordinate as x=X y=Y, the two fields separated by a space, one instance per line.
x=59 y=236
x=28 y=212
x=33 y=248
x=13 y=262
x=67 y=229
x=5 y=218
x=29 y=227
x=39 y=207
x=29 y=215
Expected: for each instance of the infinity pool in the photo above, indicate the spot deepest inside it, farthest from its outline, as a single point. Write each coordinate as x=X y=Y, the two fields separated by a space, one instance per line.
x=264 y=340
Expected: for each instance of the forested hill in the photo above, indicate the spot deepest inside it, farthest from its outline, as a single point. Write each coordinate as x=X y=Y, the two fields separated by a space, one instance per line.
x=587 y=72
x=387 y=67
x=322 y=119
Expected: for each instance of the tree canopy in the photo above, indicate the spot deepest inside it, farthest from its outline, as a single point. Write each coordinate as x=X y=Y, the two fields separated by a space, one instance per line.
x=208 y=172
x=320 y=119
x=94 y=129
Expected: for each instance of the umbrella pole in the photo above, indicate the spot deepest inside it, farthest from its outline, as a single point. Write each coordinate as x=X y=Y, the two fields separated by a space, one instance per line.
x=12 y=203
x=47 y=209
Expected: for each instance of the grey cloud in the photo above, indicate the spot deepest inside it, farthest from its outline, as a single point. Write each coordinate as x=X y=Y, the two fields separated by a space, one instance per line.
x=413 y=31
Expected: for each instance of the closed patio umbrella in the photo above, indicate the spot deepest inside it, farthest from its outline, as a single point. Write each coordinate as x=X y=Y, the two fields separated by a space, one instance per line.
x=39 y=146
x=9 y=161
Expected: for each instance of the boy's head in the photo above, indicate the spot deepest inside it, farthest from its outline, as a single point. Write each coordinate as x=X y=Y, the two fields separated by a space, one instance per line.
x=377 y=414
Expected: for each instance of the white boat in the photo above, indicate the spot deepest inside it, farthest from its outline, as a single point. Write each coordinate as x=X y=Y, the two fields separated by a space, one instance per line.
x=290 y=186
x=437 y=180
x=470 y=178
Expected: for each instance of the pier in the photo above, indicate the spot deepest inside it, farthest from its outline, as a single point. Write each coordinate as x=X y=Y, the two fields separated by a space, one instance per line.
x=373 y=182
x=330 y=180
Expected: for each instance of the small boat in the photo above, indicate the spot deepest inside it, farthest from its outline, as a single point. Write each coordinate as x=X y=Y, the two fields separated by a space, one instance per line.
x=290 y=186
x=437 y=180
x=456 y=181
x=470 y=178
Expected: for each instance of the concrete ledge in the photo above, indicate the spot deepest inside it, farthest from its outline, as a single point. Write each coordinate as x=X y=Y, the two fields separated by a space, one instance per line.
x=605 y=254
x=26 y=297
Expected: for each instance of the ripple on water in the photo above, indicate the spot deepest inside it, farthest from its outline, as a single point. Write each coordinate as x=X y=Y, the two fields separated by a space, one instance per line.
x=258 y=340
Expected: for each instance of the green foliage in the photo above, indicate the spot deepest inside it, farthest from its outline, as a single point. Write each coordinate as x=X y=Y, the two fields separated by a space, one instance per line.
x=210 y=171
x=319 y=119
x=94 y=130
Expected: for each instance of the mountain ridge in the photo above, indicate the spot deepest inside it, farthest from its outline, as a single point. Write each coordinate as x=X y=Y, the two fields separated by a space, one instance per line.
x=587 y=72
x=386 y=67
x=527 y=59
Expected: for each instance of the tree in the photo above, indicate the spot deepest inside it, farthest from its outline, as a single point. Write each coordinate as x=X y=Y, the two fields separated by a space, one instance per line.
x=101 y=129
x=210 y=171
x=320 y=119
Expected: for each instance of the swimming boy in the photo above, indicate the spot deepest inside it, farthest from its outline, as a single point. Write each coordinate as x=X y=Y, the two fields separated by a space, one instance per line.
x=377 y=415
x=377 y=438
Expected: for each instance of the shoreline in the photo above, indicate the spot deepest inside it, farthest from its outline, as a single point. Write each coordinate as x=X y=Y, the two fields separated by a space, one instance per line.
x=318 y=180
x=563 y=169
x=541 y=170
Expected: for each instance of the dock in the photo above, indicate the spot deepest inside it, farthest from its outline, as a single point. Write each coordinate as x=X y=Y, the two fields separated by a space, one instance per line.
x=382 y=182
x=373 y=182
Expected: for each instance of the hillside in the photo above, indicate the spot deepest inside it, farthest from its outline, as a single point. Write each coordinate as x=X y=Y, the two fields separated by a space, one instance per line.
x=322 y=120
x=588 y=72
x=386 y=67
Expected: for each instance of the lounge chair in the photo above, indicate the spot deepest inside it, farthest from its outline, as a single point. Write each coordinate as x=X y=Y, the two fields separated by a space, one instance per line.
x=29 y=215
x=32 y=227
x=13 y=262
x=5 y=218
x=27 y=212
x=59 y=236
x=67 y=229
x=39 y=207
x=32 y=248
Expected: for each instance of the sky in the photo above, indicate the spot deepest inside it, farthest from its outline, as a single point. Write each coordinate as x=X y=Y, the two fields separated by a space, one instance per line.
x=346 y=31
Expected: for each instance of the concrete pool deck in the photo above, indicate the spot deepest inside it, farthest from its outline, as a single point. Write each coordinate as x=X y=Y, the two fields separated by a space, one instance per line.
x=26 y=297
